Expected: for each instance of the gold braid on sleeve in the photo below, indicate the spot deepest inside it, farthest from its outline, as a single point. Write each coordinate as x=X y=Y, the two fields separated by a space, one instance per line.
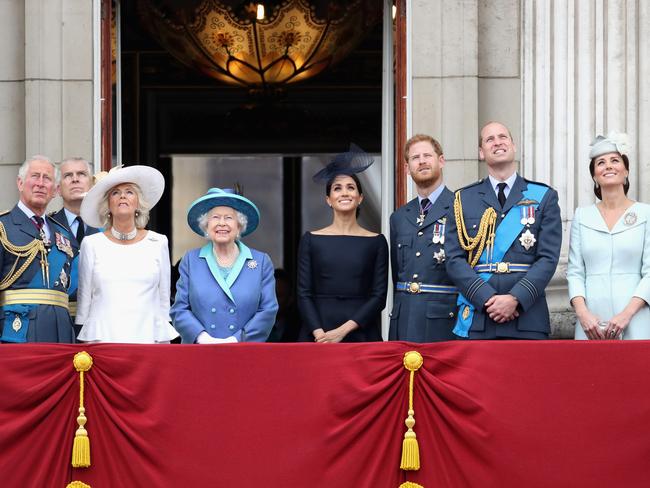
x=484 y=236
x=28 y=251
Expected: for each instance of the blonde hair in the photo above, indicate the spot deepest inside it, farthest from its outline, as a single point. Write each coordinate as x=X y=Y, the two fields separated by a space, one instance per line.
x=141 y=213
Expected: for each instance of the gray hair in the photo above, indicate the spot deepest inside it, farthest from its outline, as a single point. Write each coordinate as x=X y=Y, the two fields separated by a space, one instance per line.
x=72 y=160
x=242 y=220
x=22 y=171
x=141 y=213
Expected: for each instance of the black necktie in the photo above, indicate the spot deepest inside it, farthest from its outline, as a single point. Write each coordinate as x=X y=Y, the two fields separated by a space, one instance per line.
x=425 y=205
x=81 y=232
x=502 y=194
x=39 y=223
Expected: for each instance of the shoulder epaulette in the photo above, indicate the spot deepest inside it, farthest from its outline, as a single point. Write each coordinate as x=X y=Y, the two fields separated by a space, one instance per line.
x=471 y=184
x=537 y=182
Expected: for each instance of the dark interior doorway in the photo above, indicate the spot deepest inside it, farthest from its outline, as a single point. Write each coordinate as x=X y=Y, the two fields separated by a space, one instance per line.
x=170 y=110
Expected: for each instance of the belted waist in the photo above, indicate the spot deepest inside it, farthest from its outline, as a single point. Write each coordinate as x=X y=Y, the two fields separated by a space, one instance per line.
x=34 y=296
x=502 y=267
x=414 y=287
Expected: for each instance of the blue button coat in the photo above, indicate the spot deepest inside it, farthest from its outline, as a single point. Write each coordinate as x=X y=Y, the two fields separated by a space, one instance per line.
x=243 y=305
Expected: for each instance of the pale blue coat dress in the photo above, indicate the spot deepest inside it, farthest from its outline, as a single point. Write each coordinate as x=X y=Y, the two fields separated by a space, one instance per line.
x=608 y=268
x=243 y=305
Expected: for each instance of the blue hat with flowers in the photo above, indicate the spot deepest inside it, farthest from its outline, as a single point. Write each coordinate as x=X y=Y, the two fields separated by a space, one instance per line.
x=227 y=197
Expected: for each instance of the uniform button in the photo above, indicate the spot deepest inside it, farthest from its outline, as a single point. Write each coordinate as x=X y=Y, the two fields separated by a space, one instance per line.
x=390 y=314
x=231 y=310
x=503 y=216
x=451 y=315
x=474 y=226
x=231 y=327
x=420 y=233
x=212 y=326
x=213 y=310
x=399 y=245
x=415 y=276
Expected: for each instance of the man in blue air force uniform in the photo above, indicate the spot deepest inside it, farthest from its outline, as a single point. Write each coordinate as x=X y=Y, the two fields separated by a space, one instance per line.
x=36 y=254
x=424 y=303
x=503 y=246
x=74 y=179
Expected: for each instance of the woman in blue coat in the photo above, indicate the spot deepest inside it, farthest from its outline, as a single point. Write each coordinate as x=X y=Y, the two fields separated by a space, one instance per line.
x=609 y=251
x=226 y=291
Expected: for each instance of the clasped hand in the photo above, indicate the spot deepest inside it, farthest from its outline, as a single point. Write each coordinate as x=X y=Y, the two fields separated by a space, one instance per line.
x=502 y=308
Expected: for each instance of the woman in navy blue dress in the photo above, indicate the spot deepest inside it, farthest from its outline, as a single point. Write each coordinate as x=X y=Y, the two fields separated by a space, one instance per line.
x=342 y=268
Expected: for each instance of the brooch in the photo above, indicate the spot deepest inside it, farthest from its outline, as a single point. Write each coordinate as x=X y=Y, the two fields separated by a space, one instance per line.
x=630 y=218
x=252 y=264
x=527 y=239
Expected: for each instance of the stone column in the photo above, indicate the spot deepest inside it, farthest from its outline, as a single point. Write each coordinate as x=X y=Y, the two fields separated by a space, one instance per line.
x=45 y=83
x=584 y=73
x=444 y=67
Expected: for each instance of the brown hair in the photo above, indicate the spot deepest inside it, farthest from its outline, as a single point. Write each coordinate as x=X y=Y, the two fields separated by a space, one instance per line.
x=421 y=138
x=597 y=190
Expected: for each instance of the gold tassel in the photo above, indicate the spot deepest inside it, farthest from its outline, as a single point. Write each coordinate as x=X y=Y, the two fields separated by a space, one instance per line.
x=77 y=484
x=81 y=447
x=410 y=448
x=410 y=484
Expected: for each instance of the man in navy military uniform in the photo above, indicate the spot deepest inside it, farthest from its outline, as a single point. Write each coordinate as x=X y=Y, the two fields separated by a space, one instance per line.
x=503 y=246
x=36 y=254
x=424 y=303
x=74 y=179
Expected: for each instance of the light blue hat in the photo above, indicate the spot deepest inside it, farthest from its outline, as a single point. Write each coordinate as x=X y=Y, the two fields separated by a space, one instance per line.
x=217 y=197
x=614 y=142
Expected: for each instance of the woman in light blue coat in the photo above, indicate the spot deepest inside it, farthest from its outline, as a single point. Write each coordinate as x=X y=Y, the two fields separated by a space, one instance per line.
x=609 y=252
x=226 y=291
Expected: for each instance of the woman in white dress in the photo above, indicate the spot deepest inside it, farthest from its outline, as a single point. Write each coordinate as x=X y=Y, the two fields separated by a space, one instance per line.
x=124 y=272
x=609 y=252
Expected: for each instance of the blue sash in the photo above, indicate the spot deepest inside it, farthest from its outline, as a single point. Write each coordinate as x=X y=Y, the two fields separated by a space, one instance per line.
x=10 y=313
x=505 y=235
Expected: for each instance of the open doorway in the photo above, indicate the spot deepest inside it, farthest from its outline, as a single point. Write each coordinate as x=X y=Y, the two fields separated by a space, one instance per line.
x=201 y=132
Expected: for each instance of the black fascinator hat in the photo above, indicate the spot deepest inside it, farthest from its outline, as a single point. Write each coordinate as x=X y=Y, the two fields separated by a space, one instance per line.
x=348 y=163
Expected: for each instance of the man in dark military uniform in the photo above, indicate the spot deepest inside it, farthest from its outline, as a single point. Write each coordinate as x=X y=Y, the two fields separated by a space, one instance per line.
x=36 y=253
x=424 y=301
x=503 y=245
x=74 y=179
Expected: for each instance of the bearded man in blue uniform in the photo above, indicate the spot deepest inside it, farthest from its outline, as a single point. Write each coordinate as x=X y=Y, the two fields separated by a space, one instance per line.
x=36 y=253
x=503 y=245
x=424 y=303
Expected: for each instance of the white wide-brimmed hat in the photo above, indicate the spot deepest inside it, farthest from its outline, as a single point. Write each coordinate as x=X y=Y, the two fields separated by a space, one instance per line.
x=150 y=180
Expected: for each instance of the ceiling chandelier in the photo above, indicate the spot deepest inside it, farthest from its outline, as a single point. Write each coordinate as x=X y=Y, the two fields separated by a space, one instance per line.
x=259 y=45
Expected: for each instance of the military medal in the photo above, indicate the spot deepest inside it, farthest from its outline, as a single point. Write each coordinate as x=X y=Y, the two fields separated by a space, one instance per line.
x=252 y=264
x=63 y=278
x=436 y=233
x=63 y=244
x=466 y=312
x=423 y=212
x=630 y=218
x=527 y=239
x=527 y=215
x=439 y=256
x=17 y=324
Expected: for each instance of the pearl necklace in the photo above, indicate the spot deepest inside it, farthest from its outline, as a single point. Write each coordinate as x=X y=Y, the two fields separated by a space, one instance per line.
x=120 y=236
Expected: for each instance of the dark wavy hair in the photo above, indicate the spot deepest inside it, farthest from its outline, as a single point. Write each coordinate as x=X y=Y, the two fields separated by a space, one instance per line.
x=592 y=166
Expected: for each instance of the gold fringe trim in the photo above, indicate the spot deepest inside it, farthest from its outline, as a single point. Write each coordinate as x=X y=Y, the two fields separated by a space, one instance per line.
x=410 y=448
x=484 y=235
x=81 y=447
x=410 y=484
x=77 y=484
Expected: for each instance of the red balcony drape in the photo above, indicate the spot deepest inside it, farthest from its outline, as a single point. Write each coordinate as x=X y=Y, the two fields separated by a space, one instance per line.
x=488 y=414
